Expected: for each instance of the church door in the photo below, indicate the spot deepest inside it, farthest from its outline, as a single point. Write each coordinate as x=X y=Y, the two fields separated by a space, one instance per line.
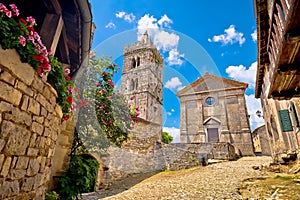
x=212 y=134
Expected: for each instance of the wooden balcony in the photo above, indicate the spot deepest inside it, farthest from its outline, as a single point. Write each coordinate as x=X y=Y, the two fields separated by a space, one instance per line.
x=283 y=49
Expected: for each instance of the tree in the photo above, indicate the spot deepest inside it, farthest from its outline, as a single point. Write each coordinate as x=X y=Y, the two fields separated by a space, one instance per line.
x=166 y=138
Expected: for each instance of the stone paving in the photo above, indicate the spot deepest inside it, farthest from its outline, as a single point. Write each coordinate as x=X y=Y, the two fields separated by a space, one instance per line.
x=215 y=181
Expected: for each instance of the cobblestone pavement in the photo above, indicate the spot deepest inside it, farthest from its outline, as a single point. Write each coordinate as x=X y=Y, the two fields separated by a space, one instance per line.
x=215 y=181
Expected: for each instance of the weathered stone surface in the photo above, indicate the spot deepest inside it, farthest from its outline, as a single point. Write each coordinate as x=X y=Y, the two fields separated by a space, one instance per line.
x=9 y=188
x=16 y=173
x=2 y=143
x=32 y=140
x=5 y=167
x=33 y=167
x=43 y=164
x=34 y=107
x=27 y=184
x=58 y=111
x=1 y=161
x=6 y=77
x=38 y=84
x=43 y=101
x=37 y=128
x=24 y=103
x=22 y=70
x=9 y=94
x=44 y=112
x=38 y=119
x=18 y=116
x=18 y=139
x=32 y=152
x=5 y=107
x=24 y=88
x=22 y=162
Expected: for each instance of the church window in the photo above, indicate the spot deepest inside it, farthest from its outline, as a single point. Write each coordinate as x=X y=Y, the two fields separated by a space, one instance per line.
x=138 y=61
x=132 y=85
x=133 y=63
x=210 y=101
x=136 y=84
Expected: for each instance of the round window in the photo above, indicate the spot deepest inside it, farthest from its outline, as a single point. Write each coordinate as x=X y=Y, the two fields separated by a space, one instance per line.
x=210 y=101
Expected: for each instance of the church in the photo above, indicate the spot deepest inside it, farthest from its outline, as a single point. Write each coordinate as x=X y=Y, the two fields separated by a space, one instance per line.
x=213 y=109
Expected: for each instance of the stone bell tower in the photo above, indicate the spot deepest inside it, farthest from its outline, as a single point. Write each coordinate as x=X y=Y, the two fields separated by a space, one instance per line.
x=142 y=83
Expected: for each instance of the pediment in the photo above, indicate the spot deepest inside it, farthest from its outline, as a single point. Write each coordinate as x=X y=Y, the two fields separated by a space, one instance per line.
x=211 y=121
x=210 y=82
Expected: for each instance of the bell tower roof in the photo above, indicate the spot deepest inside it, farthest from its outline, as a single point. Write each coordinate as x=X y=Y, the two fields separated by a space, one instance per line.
x=143 y=42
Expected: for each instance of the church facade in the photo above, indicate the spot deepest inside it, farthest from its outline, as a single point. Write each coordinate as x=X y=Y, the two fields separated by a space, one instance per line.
x=213 y=109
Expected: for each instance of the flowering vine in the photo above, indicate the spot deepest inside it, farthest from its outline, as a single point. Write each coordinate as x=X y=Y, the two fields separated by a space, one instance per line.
x=18 y=33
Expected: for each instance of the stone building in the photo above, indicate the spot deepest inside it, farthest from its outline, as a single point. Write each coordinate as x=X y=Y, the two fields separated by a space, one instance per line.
x=213 y=109
x=277 y=78
x=261 y=141
x=142 y=76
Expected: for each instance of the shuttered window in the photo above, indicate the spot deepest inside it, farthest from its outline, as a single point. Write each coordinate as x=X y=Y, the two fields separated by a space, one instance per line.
x=285 y=120
x=294 y=113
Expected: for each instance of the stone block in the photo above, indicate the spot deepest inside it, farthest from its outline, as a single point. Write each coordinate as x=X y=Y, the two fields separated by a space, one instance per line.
x=24 y=103
x=1 y=161
x=24 y=88
x=44 y=102
x=18 y=116
x=22 y=162
x=6 y=166
x=7 y=77
x=16 y=173
x=9 y=188
x=18 y=139
x=33 y=167
x=2 y=143
x=5 y=107
x=32 y=152
x=14 y=161
x=27 y=184
x=58 y=110
x=43 y=164
x=37 y=128
x=47 y=132
x=10 y=94
x=44 y=112
x=34 y=107
x=22 y=70
x=38 y=119
x=32 y=142
x=38 y=84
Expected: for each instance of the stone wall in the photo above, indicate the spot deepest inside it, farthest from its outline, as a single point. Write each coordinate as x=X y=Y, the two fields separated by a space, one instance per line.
x=29 y=127
x=122 y=162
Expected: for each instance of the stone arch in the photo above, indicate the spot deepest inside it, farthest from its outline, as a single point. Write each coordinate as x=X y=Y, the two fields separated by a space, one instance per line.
x=102 y=175
x=133 y=63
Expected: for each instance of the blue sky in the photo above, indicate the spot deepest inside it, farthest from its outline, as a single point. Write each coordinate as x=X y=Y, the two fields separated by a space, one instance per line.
x=193 y=37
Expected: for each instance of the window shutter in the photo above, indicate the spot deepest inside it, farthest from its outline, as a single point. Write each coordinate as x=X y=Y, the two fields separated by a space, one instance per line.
x=285 y=120
x=295 y=117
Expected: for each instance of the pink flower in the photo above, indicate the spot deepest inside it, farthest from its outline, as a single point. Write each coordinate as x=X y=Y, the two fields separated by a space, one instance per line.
x=98 y=84
x=82 y=103
x=110 y=122
x=15 y=9
x=8 y=14
x=31 y=20
x=22 y=40
x=66 y=117
x=131 y=98
x=67 y=71
x=68 y=78
x=110 y=82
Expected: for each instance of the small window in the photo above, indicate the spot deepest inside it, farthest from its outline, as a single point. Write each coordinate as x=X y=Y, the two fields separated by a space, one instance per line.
x=138 y=61
x=285 y=120
x=210 y=101
x=133 y=63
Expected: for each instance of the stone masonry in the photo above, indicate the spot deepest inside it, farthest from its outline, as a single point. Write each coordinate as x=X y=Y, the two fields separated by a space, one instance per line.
x=29 y=127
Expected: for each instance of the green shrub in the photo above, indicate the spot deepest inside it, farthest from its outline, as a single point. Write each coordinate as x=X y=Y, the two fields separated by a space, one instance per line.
x=51 y=196
x=80 y=178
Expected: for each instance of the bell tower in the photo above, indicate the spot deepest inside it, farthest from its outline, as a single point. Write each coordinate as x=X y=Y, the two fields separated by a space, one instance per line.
x=142 y=78
x=142 y=83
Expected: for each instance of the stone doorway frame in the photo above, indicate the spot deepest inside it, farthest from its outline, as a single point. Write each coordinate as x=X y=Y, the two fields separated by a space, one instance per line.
x=212 y=122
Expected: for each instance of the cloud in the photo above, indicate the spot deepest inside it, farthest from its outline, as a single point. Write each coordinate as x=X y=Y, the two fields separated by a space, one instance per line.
x=174 y=132
x=241 y=73
x=174 y=84
x=166 y=41
x=128 y=17
x=252 y=106
x=172 y=110
x=174 y=58
x=169 y=113
x=254 y=35
x=230 y=36
x=110 y=25
x=165 y=21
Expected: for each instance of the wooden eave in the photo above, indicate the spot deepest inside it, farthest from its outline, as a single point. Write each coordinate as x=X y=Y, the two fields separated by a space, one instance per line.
x=262 y=22
x=285 y=82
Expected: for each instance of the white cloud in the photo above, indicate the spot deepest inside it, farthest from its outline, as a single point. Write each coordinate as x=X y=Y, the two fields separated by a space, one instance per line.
x=174 y=132
x=252 y=106
x=128 y=17
x=174 y=58
x=254 y=35
x=169 y=113
x=172 y=110
x=241 y=73
x=110 y=25
x=166 y=41
x=230 y=36
x=165 y=21
x=174 y=84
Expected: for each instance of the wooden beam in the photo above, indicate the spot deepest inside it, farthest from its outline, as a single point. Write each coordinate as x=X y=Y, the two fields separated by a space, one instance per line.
x=289 y=68
x=51 y=30
x=53 y=6
x=63 y=47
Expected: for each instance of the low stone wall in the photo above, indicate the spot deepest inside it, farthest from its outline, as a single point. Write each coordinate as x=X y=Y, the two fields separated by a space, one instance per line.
x=122 y=162
x=29 y=127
